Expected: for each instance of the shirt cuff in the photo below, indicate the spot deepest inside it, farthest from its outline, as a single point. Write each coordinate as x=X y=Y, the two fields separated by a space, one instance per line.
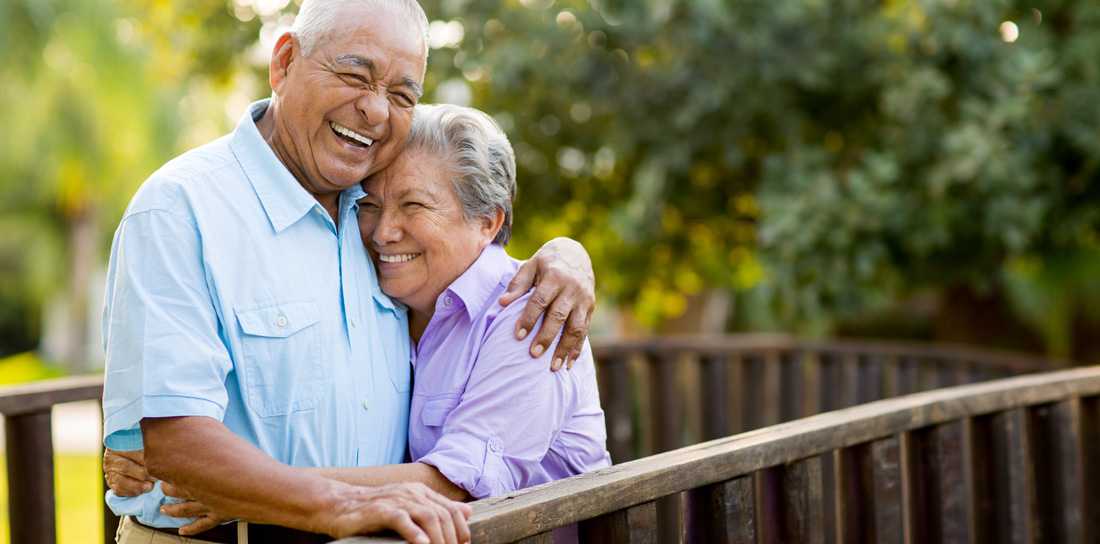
x=471 y=463
x=122 y=428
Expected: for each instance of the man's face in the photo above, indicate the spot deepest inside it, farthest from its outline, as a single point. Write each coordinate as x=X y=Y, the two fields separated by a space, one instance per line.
x=345 y=110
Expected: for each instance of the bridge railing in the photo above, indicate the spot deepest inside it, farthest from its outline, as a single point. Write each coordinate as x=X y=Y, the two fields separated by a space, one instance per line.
x=1012 y=460
x=28 y=430
x=659 y=394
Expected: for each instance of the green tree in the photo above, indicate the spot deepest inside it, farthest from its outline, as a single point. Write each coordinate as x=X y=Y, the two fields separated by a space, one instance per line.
x=86 y=123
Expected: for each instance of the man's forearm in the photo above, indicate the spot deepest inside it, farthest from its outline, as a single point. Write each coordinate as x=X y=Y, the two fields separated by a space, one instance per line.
x=390 y=474
x=202 y=457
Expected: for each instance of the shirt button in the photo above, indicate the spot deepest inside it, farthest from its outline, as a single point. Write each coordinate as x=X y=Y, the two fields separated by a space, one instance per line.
x=280 y=321
x=448 y=301
x=494 y=445
x=353 y=322
x=366 y=404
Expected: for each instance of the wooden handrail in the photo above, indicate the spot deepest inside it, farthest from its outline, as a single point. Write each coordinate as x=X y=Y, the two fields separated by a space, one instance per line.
x=745 y=382
x=534 y=511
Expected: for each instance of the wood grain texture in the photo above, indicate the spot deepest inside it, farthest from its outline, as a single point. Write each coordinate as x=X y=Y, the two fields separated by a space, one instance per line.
x=721 y=512
x=30 y=478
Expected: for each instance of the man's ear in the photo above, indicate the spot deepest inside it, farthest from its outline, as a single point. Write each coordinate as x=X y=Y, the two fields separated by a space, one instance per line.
x=287 y=50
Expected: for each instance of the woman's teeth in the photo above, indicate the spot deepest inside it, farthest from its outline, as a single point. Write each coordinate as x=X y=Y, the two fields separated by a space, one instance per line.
x=398 y=258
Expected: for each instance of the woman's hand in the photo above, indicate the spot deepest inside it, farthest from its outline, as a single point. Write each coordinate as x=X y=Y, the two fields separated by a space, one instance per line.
x=565 y=289
x=125 y=472
x=189 y=508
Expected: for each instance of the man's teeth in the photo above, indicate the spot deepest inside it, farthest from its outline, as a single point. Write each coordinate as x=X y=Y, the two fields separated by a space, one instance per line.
x=398 y=258
x=348 y=132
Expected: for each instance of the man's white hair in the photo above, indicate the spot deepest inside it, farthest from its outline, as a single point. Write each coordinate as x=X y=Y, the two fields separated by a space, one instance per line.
x=319 y=19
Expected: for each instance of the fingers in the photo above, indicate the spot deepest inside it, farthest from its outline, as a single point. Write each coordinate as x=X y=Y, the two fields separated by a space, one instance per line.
x=125 y=474
x=204 y=523
x=417 y=513
x=522 y=282
x=175 y=492
x=185 y=509
x=572 y=340
x=125 y=486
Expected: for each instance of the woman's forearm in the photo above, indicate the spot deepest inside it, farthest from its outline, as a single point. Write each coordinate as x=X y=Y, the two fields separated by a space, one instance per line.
x=391 y=474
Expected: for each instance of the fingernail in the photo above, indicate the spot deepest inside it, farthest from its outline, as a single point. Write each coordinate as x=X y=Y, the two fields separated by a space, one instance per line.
x=147 y=487
x=537 y=351
x=163 y=510
x=521 y=334
x=556 y=365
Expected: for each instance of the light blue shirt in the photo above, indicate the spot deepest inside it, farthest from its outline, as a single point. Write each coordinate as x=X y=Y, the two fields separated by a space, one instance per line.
x=232 y=294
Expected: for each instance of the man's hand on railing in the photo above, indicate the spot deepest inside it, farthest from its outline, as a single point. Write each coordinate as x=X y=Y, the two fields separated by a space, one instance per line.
x=125 y=473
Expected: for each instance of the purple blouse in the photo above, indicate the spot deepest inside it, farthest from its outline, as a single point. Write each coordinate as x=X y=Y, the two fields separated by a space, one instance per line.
x=490 y=418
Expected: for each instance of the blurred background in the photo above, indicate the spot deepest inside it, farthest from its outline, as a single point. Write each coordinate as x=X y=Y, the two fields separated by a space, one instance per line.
x=913 y=169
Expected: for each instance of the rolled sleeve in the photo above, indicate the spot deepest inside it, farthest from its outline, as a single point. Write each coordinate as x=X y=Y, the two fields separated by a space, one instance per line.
x=510 y=413
x=165 y=357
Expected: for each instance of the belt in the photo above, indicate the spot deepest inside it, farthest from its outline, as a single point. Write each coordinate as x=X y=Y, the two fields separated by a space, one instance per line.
x=227 y=534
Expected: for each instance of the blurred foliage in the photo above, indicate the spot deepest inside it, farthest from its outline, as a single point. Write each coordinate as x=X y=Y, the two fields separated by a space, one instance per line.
x=925 y=150
x=833 y=155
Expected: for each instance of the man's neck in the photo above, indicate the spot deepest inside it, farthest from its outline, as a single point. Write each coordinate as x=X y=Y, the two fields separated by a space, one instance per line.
x=268 y=126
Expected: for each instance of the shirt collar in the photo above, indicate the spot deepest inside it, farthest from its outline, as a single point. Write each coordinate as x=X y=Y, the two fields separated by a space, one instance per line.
x=282 y=196
x=477 y=283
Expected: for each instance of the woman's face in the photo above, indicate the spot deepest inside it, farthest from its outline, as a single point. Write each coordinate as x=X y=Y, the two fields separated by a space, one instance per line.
x=411 y=222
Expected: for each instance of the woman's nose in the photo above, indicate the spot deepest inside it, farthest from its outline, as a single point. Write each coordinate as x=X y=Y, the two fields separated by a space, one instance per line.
x=388 y=229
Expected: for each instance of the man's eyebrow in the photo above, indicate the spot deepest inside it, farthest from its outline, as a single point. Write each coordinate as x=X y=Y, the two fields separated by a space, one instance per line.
x=356 y=60
x=416 y=87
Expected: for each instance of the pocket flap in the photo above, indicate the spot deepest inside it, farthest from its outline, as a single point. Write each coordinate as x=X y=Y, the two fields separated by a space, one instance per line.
x=437 y=409
x=277 y=319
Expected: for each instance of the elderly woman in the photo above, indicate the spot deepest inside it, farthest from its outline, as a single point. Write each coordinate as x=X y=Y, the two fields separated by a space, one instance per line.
x=485 y=419
x=436 y=223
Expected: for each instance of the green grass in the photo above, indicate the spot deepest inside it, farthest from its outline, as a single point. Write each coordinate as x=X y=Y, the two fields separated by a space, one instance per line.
x=26 y=367
x=79 y=498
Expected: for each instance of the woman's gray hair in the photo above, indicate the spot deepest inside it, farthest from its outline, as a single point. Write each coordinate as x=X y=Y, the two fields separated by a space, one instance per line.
x=319 y=19
x=480 y=157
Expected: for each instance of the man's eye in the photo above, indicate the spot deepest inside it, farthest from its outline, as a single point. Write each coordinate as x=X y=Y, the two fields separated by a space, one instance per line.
x=403 y=100
x=354 y=77
x=413 y=205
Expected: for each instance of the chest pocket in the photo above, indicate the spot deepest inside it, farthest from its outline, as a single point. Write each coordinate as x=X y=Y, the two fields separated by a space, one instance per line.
x=281 y=354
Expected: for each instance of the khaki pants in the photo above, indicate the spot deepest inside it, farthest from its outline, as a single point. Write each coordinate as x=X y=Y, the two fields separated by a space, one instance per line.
x=130 y=532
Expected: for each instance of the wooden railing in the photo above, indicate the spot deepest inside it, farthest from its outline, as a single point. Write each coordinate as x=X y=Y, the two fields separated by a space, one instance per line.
x=28 y=429
x=659 y=394
x=1013 y=460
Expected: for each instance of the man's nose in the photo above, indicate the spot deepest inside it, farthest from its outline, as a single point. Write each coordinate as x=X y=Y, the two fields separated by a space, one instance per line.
x=375 y=106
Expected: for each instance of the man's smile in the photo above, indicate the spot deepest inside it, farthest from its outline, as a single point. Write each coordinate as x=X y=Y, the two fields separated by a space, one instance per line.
x=349 y=135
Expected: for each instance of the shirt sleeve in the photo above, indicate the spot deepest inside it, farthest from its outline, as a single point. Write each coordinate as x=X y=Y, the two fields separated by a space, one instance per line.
x=512 y=410
x=165 y=357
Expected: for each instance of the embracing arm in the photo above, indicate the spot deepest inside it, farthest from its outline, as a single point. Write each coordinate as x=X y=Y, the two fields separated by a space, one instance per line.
x=233 y=480
x=391 y=474
x=565 y=289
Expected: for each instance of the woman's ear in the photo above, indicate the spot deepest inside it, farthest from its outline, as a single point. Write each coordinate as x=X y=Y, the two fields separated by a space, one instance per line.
x=490 y=226
x=286 y=51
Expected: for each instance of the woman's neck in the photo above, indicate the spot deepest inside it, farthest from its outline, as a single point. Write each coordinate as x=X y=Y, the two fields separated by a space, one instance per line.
x=418 y=322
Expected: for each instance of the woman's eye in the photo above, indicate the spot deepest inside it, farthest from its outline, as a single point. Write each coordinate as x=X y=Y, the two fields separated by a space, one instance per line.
x=368 y=206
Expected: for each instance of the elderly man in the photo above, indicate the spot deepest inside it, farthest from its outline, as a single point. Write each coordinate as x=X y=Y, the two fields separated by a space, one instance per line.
x=245 y=332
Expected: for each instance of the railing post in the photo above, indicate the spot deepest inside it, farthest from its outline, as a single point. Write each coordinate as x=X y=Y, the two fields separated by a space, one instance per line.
x=30 y=478
x=722 y=512
x=615 y=386
x=668 y=423
x=636 y=525
x=789 y=508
